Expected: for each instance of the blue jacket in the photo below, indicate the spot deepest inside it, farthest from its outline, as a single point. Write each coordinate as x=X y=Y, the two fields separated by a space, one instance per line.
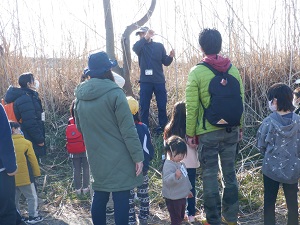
x=145 y=140
x=28 y=107
x=7 y=152
x=152 y=56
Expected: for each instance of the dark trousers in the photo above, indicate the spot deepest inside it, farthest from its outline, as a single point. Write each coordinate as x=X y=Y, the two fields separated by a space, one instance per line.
x=7 y=199
x=146 y=91
x=270 y=195
x=121 y=207
x=176 y=209
x=79 y=164
x=191 y=202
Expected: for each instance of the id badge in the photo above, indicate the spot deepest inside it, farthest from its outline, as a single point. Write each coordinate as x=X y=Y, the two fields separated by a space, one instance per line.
x=148 y=72
x=183 y=171
x=43 y=117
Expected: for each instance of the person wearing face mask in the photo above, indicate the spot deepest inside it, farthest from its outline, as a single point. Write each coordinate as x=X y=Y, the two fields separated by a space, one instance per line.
x=296 y=100
x=28 y=109
x=278 y=141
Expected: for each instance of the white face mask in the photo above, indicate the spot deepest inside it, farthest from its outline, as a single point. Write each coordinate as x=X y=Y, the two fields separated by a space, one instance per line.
x=296 y=103
x=36 y=84
x=272 y=107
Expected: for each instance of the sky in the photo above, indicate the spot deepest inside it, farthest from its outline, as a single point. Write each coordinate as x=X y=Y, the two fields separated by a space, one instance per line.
x=58 y=28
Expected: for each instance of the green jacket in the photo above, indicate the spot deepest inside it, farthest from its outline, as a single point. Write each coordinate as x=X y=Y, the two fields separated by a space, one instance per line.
x=113 y=147
x=197 y=87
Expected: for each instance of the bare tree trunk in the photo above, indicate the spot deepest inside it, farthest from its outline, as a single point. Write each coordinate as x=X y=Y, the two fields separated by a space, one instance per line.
x=126 y=46
x=125 y=71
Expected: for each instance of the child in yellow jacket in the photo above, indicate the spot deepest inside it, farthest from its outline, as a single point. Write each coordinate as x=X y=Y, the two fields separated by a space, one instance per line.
x=28 y=168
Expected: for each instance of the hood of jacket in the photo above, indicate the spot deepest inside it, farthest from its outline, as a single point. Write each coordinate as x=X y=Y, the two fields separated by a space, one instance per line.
x=94 y=88
x=13 y=93
x=283 y=125
x=218 y=62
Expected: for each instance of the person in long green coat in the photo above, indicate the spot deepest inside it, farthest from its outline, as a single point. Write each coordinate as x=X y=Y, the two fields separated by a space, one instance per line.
x=114 y=151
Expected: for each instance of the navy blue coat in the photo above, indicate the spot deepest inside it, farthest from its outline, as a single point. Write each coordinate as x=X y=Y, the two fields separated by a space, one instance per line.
x=145 y=140
x=28 y=107
x=7 y=152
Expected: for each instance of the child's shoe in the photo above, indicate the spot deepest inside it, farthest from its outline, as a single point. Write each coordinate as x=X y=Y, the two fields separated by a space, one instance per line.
x=204 y=222
x=34 y=220
x=85 y=190
x=78 y=191
x=191 y=219
x=143 y=222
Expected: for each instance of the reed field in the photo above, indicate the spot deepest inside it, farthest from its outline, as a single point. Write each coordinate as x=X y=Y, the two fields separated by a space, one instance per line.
x=262 y=59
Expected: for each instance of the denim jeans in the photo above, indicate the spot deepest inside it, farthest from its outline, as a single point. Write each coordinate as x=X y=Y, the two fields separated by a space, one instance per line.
x=214 y=146
x=121 y=207
x=270 y=195
x=146 y=91
x=7 y=199
x=191 y=202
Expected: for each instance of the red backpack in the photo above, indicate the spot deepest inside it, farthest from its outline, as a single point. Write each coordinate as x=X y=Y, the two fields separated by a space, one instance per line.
x=75 y=143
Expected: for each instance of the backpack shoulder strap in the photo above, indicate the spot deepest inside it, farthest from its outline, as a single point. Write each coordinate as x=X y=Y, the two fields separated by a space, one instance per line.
x=71 y=120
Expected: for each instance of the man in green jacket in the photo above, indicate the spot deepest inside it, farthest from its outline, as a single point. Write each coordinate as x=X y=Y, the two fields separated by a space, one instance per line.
x=113 y=147
x=214 y=142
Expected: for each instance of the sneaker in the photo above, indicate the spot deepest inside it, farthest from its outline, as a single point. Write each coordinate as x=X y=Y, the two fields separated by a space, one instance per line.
x=143 y=222
x=228 y=223
x=204 y=222
x=34 y=220
x=191 y=219
x=110 y=211
x=85 y=190
x=78 y=191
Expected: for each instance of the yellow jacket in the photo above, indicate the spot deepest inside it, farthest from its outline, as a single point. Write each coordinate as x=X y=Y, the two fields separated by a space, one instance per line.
x=28 y=166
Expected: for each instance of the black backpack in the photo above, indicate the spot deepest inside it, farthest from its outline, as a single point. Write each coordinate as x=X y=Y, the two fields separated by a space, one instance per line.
x=226 y=106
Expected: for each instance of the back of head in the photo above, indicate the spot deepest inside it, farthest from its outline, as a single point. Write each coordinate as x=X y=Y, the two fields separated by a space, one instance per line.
x=99 y=65
x=176 y=144
x=284 y=95
x=210 y=41
x=177 y=125
x=25 y=78
x=133 y=105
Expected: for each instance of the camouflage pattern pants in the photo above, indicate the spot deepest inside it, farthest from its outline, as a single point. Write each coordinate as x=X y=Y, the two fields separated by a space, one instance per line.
x=219 y=146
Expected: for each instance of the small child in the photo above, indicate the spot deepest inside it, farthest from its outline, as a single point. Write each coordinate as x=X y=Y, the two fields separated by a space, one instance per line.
x=177 y=126
x=278 y=141
x=26 y=173
x=176 y=185
x=142 y=191
x=80 y=163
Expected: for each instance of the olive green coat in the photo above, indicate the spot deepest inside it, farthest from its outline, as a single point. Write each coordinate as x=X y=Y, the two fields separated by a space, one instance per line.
x=103 y=116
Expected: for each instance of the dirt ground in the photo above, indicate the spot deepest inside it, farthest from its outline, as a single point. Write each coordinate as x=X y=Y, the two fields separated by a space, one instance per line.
x=77 y=213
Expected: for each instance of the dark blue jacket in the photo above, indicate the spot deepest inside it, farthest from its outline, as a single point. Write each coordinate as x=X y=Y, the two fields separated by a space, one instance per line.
x=152 y=56
x=145 y=140
x=28 y=107
x=7 y=152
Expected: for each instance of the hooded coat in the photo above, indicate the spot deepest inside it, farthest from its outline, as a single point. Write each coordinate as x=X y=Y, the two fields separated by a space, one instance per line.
x=28 y=107
x=278 y=141
x=103 y=116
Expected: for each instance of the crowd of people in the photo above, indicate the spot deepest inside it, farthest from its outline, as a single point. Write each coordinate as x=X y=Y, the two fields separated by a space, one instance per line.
x=204 y=130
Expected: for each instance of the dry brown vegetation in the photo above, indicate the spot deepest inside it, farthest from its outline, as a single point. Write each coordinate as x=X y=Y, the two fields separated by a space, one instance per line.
x=260 y=66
